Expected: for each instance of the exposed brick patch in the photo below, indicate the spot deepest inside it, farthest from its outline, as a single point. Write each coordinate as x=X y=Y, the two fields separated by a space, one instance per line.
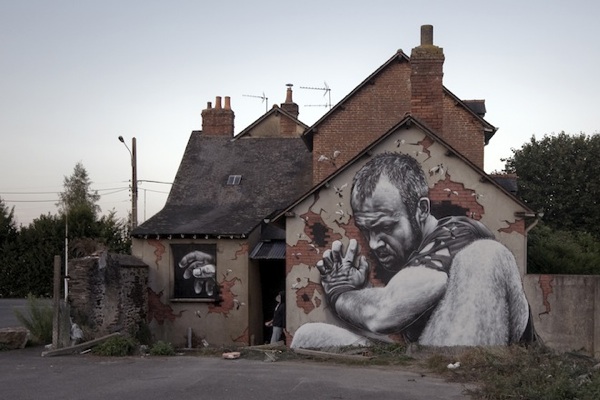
x=158 y=310
x=227 y=302
x=545 y=282
x=306 y=299
x=457 y=194
x=309 y=249
x=159 y=249
x=243 y=251
x=426 y=144
x=517 y=226
x=244 y=338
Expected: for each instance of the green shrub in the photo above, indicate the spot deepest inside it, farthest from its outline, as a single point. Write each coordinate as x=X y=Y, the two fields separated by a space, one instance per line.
x=38 y=319
x=142 y=334
x=553 y=251
x=117 y=346
x=161 y=348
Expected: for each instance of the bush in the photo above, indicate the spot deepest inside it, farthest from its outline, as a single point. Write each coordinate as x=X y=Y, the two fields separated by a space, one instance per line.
x=551 y=251
x=161 y=348
x=38 y=319
x=142 y=333
x=117 y=346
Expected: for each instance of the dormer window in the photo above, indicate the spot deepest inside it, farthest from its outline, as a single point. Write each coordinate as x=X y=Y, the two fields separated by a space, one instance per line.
x=234 y=179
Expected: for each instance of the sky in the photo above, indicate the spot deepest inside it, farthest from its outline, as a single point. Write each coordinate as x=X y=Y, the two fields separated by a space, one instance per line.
x=75 y=75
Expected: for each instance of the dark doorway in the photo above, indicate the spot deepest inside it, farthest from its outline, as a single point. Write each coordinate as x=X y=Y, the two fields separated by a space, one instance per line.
x=272 y=281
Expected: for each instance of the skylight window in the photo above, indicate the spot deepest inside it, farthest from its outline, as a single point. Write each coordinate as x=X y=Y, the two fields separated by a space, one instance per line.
x=234 y=179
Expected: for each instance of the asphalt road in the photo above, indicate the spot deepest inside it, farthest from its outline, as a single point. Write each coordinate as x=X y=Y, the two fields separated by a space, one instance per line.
x=25 y=375
x=7 y=314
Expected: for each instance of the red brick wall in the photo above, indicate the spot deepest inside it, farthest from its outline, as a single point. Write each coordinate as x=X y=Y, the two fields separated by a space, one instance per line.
x=427 y=102
x=463 y=131
x=382 y=103
x=367 y=115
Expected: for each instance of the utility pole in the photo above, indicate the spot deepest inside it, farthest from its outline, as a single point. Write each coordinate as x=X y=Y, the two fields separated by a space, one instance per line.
x=134 y=180
x=134 y=185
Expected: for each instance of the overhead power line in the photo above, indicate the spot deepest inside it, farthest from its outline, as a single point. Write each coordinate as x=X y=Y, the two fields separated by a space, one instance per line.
x=30 y=201
x=59 y=191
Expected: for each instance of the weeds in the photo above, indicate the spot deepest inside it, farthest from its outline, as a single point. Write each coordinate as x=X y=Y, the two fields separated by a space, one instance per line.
x=118 y=346
x=37 y=319
x=522 y=373
x=161 y=348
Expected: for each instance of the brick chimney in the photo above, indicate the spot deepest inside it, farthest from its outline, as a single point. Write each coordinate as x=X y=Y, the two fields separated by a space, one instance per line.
x=218 y=121
x=287 y=126
x=427 y=95
x=289 y=106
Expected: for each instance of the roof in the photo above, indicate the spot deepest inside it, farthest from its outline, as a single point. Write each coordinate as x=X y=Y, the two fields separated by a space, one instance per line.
x=274 y=250
x=274 y=171
x=400 y=56
x=507 y=181
x=273 y=111
x=477 y=106
x=407 y=121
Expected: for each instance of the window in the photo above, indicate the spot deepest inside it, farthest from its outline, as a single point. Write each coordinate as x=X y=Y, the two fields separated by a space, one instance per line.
x=195 y=271
x=234 y=179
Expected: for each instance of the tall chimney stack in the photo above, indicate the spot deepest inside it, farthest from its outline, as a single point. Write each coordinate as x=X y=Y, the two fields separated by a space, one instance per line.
x=289 y=106
x=218 y=121
x=427 y=94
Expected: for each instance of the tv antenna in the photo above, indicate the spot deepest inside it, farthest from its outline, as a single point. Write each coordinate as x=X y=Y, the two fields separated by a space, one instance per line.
x=327 y=92
x=263 y=98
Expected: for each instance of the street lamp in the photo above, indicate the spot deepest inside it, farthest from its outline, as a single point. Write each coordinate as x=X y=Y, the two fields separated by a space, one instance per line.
x=134 y=186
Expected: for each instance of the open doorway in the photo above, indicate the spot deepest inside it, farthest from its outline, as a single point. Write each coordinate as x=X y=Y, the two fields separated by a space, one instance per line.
x=272 y=281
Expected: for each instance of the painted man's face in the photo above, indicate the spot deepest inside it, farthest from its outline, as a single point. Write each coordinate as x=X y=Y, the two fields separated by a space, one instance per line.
x=385 y=222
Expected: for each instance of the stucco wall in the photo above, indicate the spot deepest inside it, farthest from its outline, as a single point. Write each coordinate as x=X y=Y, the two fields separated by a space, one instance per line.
x=566 y=311
x=224 y=322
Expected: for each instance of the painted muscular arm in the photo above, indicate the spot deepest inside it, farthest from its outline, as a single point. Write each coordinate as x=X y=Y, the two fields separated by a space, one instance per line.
x=410 y=293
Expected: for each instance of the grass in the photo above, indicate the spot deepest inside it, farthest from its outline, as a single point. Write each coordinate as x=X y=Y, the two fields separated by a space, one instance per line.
x=118 y=346
x=37 y=318
x=493 y=373
x=517 y=372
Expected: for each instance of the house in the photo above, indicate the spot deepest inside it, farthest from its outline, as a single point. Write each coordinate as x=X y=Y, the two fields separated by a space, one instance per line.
x=253 y=214
x=215 y=216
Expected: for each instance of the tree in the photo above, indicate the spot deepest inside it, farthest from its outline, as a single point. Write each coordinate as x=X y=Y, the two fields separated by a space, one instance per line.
x=555 y=251
x=559 y=176
x=8 y=227
x=27 y=263
x=78 y=196
x=27 y=255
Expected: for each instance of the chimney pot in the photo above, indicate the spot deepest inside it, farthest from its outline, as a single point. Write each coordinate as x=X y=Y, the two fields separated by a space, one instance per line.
x=288 y=95
x=426 y=35
x=218 y=102
x=208 y=105
x=227 y=103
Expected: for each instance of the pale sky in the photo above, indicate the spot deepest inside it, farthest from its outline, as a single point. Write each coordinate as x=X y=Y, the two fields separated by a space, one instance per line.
x=74 y=75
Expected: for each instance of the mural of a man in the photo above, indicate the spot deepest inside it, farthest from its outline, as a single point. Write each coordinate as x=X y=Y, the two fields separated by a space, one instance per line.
x=451 y=282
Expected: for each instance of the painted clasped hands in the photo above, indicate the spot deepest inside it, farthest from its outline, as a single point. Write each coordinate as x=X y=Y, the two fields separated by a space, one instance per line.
x=339 y=273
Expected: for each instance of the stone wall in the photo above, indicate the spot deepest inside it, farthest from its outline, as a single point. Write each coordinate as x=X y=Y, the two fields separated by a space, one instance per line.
x=108 y=293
